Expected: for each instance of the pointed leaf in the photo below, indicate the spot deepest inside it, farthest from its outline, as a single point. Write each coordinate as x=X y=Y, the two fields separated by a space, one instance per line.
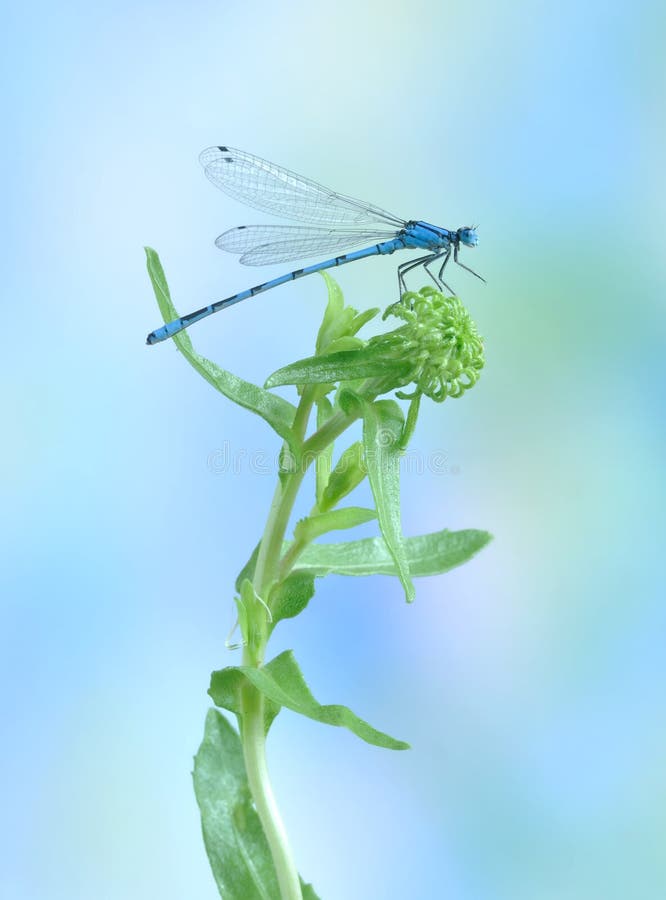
x=237 y=848
x=427 y=554
x=339 y=321
x=334 y=308
x=235 y=842
x=347 y=365
x=277 y=411
x=360 y=319
x=308 y=891
x=346 y=342
x=282 y=683
x=410 y=424
x=348 y=473
x=224 y=690
x=383 y=426
x=312 y=527
x=248 y=569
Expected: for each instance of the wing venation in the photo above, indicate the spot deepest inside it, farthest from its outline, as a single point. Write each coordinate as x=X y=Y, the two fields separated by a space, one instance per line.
x=273 y=189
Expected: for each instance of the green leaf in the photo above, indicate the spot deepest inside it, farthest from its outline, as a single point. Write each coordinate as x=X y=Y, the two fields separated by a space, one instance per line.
x=346 y=342
x=410 y=424
x=224 y=690
x=256 y=614
x=235 y=842
x=334 y=308
x=349 y=401
x=237 y=848
x=360 y=319
x=248 y=569
x=339 y=321
x=348 y=473
x=312 y=527
x=383 y=426
x=282 y=683
x=427 y=554
x=291 y=596
x=277 y=411
x=347 y=365
x=308 y=891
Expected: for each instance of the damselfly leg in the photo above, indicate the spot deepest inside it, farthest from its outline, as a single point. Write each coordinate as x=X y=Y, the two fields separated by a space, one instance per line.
x=423 y=261
x=439 y=281
x=463 y=266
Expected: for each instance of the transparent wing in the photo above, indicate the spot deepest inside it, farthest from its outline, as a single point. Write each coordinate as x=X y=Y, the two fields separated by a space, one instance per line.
x=275 y=190
x=262 y=245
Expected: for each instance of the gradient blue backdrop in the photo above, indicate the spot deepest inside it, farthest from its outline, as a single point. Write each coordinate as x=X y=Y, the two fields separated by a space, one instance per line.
x=530 y=682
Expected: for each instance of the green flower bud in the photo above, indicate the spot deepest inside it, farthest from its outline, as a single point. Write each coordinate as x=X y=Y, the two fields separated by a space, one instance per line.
x=441 y=341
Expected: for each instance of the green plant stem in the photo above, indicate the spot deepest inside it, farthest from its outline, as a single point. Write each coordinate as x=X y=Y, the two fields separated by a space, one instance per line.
x=253 y=735
x=252 y=701
x=254 y=754
x=267 y=572
x=328 y=432
x=291 y=556
x=282 y=505
x=267 y=568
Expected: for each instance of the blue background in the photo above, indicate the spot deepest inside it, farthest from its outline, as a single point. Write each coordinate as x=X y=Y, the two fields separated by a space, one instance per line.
x=530 y=682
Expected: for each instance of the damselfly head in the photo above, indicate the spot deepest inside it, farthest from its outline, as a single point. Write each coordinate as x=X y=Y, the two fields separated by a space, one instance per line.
x=468 y=236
